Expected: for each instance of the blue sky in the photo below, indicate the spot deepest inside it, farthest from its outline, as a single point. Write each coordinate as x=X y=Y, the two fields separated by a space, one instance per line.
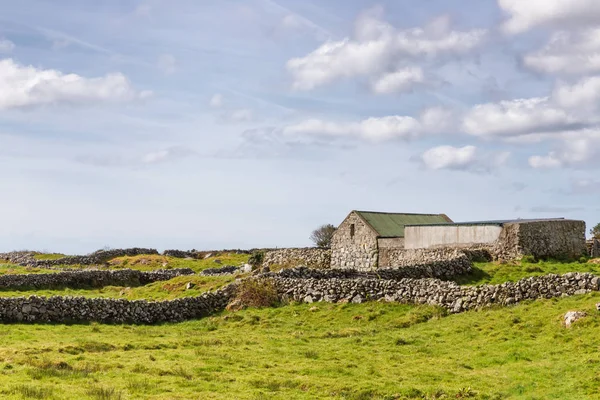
x=224 y=124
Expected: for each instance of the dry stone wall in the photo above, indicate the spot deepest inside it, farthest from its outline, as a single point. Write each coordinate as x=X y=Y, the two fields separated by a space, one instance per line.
x=27 y=259
x=90 y=278
x=354 y=248
x=446 y=294
x=312 y=257
x=58 y=309
x=398 y=258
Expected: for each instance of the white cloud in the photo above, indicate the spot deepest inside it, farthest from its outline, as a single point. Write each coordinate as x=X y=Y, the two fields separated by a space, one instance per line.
x=27 y=86
x=524 y=15
x=242 y=115
x=375 y=129
x=378 y=48
x=542 y=162
x=515 y=118
x=583 y=96
x=467 y=158
x=6 y=46
x=403 y=80
x=570 y=107
x=170 y=154
x=575 y=149
x=217 y=101
x=167 y=63
x=448 y=157
x=567 y=52
x=371 y=129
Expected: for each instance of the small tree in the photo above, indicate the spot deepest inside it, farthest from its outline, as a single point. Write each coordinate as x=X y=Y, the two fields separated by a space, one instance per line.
x=595 y=231
x=321 y=236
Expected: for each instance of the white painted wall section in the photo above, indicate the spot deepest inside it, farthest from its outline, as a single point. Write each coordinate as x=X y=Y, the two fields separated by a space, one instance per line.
x=424 y=237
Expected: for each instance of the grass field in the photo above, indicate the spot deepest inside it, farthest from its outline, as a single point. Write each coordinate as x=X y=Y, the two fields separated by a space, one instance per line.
x=366 y=351
x=317 y=351
x=496 y=273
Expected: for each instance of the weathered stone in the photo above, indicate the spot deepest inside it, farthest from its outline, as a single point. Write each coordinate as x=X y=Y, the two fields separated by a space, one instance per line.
x=573 y=316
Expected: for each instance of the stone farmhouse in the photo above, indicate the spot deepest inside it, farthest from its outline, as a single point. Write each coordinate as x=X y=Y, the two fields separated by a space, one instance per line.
x=367 y=240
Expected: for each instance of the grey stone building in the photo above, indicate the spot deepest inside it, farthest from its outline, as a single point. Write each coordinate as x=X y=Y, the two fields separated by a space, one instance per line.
x=360 y=237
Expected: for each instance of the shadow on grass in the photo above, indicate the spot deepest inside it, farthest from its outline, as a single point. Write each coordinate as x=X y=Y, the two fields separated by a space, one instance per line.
x=475 y=276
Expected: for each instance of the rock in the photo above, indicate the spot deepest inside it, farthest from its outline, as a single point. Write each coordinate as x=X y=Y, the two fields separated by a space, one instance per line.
x=358 y=299
x=313 y=309
x=235 y=305
x=246 y=268
x=598 y=306
x=189 y=285
x=308 y=299
x=209 y=255
x=573 y=316
x=217 y=261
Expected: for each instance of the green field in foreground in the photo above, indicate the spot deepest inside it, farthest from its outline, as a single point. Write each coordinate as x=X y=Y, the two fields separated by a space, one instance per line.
x=344 y=351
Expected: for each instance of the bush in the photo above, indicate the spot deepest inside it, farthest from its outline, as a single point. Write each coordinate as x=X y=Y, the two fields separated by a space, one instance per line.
x=256 y=293
x=583 y=260
x=529 y=259
x=321 y=236
x=256 y=259
x=595 y=231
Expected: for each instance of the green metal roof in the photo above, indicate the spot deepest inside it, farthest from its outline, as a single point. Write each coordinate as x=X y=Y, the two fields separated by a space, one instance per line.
x=392 y=224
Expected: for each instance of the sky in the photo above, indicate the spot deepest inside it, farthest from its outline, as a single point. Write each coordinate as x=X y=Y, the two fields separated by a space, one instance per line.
x=238 y=124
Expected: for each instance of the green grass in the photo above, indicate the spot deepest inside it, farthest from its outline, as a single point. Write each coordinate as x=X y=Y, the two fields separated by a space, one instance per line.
x=49 y=256
x=11 y=269
x=322 y=351
x=164 y=290
x=496 y=273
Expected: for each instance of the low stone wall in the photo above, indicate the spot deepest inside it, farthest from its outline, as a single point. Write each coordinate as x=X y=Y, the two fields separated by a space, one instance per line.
x=299 y=285
x=443 y=270
x=91 y=278
x=226 y=270
x=115 y=311
x=312 y=257
x=27 y=259
x=446 y=294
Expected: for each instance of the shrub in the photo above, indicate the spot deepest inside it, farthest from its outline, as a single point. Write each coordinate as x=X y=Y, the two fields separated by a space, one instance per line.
x=256 y=258
x=595 y=231
x=257 y=293
x=583 y=260
x=529 y=259
x=321 y=236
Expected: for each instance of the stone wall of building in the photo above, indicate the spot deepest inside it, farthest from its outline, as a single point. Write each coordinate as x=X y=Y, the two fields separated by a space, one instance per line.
x=89 y=278
x=560 y=239
x=354 y=249
x=312 y=257
x=390 y=243
x=594 y=248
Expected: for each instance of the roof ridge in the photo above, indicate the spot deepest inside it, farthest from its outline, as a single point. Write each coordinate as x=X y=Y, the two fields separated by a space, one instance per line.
x=396 y=213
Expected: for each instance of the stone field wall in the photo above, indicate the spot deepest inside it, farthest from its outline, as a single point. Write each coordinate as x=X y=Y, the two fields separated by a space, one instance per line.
x=115 y=311
x=90 y=278
x=446 y=294
x=398 y=258
x=27 y=259
x=312 y=257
